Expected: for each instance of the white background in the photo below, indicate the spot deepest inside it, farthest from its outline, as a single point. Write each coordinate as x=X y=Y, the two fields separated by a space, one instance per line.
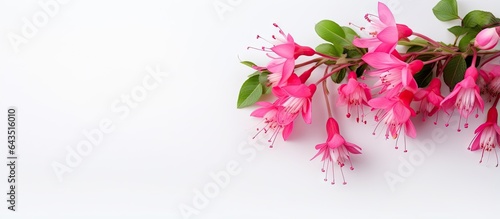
x=65 y=79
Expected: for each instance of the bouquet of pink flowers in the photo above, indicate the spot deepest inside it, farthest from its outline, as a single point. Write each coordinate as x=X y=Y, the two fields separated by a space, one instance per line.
x=407 y=68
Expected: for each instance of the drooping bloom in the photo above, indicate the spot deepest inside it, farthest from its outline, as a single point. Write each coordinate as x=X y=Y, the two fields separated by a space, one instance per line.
x=487 y=135
x=279 y=116
x=354 y=94
x=430 y=98
x=336 y=150
x=465 y=97
x=491 y=77
x=394 y=112
x=384 y=31
x=269 y=112
x=283 y=55
x=393 y=73
x=295 y=99
x=487 y=38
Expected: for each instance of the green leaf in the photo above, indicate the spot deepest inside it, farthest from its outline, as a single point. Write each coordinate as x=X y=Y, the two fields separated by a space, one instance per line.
x=458 y=30
x=253 y=74
x=250 y=92
x=339 y=76
x=350 y=34
x=415 y=49
x=446 y=10
x=415 y=42
x=478 y=18
x=463 y=45
x=424 y=76
x=329 y=49
x=353 y=53
x=248 y=63
x=361 y=70
x=332 y=32
x=454 y=71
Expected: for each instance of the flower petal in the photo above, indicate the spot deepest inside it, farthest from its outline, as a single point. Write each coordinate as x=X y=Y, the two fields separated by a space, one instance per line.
x=287 y=130
x=385 y=15
x=410 y=129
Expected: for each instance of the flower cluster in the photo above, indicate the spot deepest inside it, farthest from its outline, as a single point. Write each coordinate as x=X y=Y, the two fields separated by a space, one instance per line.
x=408 y=69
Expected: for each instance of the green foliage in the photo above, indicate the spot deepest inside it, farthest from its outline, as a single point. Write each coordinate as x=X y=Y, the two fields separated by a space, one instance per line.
x=339 y=76
x=329 y=49
x=454 y=71
x=479 y=19
x=250 y=92
x=446 y=10
x=458 y=30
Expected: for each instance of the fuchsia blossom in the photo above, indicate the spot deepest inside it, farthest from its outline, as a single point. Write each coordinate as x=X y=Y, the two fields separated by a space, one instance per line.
x=335 y=150
x=295 y=98
x=292 y=100
x=269 y=112
x=283 y=57
x=430 y=98
x=487 y=135
x=491 y=77
x=393 y=73
x=487 y=38
x=384 y=30
x=354 y=94
x=465 y=97
x=395 y=112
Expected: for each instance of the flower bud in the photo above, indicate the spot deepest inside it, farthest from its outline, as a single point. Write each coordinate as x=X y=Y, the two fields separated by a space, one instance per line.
x=487 y=38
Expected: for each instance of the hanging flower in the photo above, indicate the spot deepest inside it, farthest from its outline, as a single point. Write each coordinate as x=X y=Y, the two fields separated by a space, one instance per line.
x=465 y=97
x=487 y=136
x=336 y=150
x=394 y=113
x=283 y=54
x=269 y=112
x=354 y=94
x=393 y=73
x=430 y=98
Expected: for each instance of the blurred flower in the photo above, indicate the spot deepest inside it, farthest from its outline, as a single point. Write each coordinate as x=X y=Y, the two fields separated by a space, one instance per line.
x=490 y=74
x=335 y=150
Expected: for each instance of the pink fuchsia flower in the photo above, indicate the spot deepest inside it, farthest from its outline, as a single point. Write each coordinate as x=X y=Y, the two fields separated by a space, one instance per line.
x=430 y=98
x=465 y=97
x=283 y=55
x=487 y=38
x=354 y=94
x=394 y=113
x=490 y=74
x=487 y=136
x=393 y=73
x=295 y=99
x=269 y=112
x=384 y=30
x=335 y=150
